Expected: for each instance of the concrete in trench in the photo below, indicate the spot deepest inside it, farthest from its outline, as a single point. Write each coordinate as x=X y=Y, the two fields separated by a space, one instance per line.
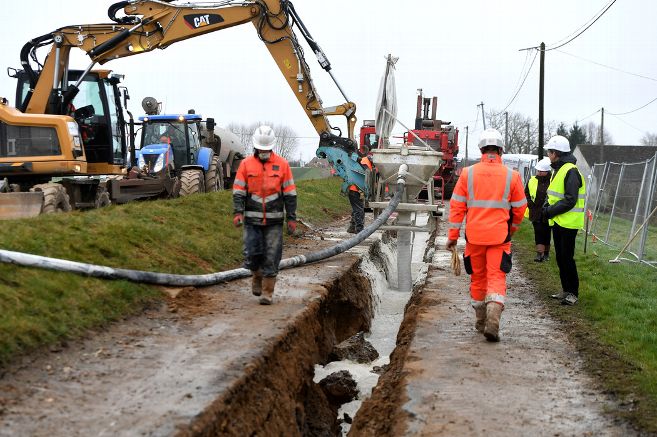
x=157 y=374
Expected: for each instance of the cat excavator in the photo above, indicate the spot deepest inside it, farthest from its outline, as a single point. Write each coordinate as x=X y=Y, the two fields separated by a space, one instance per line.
x=47 y=137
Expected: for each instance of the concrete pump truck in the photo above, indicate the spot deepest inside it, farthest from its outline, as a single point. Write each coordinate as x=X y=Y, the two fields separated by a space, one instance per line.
x=46 y=137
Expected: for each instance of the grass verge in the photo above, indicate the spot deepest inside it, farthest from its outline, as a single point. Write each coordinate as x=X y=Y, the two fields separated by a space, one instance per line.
x=190 y=235
x=614 y=325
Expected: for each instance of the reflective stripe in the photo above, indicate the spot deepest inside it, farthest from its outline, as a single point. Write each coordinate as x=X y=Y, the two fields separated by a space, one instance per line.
x=239 y=182
x=261 y=215
x=555 y=194
x=267 y=199
x=470 y=182
x=494 y=297
x=459 y=198
x=519 y=203
x=239 y=191
x=489 y=204
x=507 y=186
x=290 y=193
x=288 y=183
x=577 y=210
x=455 y=225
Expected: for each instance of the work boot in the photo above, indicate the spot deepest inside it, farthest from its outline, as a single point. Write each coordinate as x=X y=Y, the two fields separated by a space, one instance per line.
x=351 y=229
x=546 y=256
x=256 y=283
x=268 y=283
x=569 y=299
x=559 y=296
x=492 y=328
x=539 y=257
x=480 y=313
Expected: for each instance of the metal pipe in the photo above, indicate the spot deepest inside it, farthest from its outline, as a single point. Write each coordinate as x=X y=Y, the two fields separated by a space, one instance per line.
x=103 y=272
x=84 y=74
x=339 y=87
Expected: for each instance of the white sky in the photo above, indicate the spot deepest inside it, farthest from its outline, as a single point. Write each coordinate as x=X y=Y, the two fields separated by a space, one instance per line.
x=464 y=52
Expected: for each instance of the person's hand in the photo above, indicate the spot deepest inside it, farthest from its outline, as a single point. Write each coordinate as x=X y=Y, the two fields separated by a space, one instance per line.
x=291 y=227
x=238 y=220
x=450 y=244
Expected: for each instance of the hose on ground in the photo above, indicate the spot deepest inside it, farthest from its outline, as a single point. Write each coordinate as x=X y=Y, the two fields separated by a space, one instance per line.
x=96 y=271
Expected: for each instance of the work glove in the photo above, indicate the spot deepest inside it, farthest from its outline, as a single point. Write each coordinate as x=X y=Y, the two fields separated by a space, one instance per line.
x=291 y=227
x=450 y=244
x=238 y=220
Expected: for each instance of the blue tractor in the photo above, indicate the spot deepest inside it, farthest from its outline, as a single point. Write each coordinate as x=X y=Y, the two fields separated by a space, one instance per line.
x=172 y=150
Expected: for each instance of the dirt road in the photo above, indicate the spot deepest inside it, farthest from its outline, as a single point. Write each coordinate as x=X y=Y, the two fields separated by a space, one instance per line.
x=446 y=380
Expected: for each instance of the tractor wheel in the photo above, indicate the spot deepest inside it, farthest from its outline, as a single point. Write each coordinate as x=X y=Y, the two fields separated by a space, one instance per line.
x=211 y=176
x=102 y=198
x=191 y=181
x=55 y=198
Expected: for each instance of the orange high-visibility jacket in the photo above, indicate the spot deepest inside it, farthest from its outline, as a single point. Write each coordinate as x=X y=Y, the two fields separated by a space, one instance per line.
x=492 y=200
x=365 y=161
x=262 y=190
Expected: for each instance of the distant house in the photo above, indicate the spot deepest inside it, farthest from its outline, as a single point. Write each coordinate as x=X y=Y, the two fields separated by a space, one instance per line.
x=589 y=154
x=318 y=163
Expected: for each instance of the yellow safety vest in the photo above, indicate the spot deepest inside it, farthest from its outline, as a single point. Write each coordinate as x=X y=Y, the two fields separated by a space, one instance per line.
x=532 y=186
x=573 y=219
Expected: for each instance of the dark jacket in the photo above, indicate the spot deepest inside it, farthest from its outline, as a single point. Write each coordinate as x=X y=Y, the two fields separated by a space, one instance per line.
x=572 y=184
x=535 y=206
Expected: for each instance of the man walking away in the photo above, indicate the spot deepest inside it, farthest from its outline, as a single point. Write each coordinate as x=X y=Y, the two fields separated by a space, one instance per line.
x=565 y=210
x=262 y=190
x=490 y=197
x=356 y=200
x=536 y=194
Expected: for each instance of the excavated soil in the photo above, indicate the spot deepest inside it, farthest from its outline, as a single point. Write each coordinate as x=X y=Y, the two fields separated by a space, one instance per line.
x=208 y=361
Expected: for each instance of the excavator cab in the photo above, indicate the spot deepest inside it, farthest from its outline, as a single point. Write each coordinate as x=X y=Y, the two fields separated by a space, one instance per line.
x=98 y=110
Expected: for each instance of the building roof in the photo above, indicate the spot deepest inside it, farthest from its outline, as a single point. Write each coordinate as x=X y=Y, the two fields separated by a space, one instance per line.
x=598 y=154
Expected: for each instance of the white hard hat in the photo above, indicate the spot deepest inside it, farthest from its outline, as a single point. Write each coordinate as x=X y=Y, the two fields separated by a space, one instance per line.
x=491 y=137
x=559 y=143
x=543 y=164
x=264 y=138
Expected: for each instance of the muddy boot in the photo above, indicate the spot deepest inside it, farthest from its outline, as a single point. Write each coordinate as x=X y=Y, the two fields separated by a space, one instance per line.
x=351 y=229
x=480 y=313
x=493 y=313
x=256 y=283
x=268 y=283
x=539 y=257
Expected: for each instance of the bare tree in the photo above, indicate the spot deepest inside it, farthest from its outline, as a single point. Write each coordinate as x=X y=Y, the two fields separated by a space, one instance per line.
x=592 y=131
x=286 y=138
x=649 y=139
x=522 y=131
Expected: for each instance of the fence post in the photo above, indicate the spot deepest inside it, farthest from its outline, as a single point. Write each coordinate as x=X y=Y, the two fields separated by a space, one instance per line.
x=597 y=200
x=638 y=200
x=651 y=194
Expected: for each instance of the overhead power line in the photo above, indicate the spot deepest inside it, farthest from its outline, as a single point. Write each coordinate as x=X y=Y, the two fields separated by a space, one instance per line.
x=632 y=126
x=608 y=66
x=634 y=110
x=588 y=116
x=521 y=85
x=586 y=26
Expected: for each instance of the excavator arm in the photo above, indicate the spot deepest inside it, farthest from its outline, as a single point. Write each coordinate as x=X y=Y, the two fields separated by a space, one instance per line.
x=154 y=24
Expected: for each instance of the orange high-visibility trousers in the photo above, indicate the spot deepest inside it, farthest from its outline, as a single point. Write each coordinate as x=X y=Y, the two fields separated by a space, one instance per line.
x=488 y=266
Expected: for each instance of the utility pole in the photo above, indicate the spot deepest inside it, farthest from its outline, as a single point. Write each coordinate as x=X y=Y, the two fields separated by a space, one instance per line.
x=483 y=117
x=506 y=130
x=602 y=127
x=466 y=143
x=541 y=85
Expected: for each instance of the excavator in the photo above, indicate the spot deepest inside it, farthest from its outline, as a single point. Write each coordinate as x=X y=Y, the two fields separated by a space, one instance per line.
x=46 y=136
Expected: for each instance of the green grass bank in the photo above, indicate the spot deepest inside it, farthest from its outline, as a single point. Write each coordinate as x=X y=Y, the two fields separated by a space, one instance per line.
x=191 y=235
x=614 y=324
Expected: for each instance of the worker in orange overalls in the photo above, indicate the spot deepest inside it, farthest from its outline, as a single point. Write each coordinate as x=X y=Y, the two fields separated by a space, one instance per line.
x=491 y=199
x=355 y=198
x=264 y=196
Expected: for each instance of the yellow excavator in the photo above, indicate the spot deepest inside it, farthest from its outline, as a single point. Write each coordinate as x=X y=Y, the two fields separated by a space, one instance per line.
x=50 y=134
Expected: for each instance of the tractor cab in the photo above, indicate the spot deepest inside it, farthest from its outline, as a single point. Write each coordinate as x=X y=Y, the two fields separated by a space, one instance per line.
x=169 y=141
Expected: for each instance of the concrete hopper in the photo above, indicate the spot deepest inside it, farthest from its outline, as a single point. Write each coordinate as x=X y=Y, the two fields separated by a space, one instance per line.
x=422 y=164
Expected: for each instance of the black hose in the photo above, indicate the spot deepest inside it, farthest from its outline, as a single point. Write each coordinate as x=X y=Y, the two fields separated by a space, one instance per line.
x=96 y=271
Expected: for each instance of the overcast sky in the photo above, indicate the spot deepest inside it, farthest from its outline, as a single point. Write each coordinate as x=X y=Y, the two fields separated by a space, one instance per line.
x=464 y=52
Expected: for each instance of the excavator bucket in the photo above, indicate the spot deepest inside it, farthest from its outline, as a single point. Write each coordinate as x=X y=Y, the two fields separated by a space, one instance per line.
x=20 y=205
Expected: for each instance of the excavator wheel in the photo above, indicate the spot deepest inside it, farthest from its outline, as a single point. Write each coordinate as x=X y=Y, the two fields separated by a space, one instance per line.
x=102 y=198
x=55 y=198
x=191 y=181
x=212 y=178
